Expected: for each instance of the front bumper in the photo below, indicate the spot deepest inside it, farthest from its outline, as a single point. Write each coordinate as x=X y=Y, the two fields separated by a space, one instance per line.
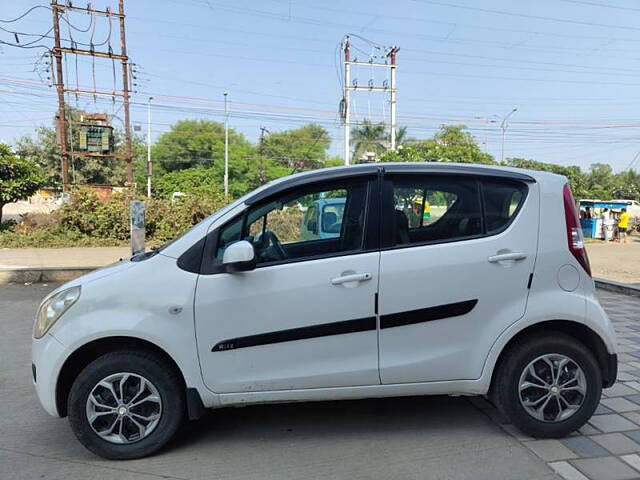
x=47 y=357
x=610 y=372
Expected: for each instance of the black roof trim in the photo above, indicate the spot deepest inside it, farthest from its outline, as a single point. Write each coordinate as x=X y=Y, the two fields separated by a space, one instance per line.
x=391 y=168
x=458 y=169
x=312 y=177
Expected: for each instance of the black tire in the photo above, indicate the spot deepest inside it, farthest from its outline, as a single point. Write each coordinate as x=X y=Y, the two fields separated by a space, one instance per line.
x=505 y=392
x=163 y=377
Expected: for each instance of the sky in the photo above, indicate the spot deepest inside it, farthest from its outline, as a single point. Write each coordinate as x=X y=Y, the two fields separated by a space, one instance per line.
x=569 y=67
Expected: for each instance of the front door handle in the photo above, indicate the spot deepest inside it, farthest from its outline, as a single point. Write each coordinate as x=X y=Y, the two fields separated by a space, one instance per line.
x=507 y=256
x=354 y=277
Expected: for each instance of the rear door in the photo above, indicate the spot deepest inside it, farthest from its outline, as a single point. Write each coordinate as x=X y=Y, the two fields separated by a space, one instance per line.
x=454 y=271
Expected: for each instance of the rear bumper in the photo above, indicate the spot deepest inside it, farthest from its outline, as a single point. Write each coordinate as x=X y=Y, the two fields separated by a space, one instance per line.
x=611 y=371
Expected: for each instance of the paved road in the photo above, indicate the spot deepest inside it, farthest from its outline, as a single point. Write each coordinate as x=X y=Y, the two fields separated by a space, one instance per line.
x=434 y=438
x=61 y=257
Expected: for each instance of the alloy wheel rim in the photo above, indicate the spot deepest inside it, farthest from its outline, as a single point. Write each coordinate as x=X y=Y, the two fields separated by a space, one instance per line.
x=124 y=408
x=552 y=388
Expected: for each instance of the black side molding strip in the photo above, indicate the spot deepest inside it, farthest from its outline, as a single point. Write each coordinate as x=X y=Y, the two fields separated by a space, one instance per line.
x=303 y=333
x=427 y=314
x=348 y=326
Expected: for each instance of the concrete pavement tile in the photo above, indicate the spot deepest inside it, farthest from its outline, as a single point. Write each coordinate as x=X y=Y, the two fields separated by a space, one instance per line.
x=619 y=390
x=587 y=429
x=612 y=423
x=619 y=404
x=633 y=416
x=628 y=349
x=634 y=398
x=605 y=468
x=585 y=447
x=635 y=385
x=633 y=460
x=566 y=471
x=601 y=410
x=550 y=450
x=634 y=435
x=626 y=377
x=616 y=443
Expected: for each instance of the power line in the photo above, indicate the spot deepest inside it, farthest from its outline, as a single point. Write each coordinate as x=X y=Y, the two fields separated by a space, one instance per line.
x=526 y=15
x=596 y=4
x=462 y=25
x=24 y=14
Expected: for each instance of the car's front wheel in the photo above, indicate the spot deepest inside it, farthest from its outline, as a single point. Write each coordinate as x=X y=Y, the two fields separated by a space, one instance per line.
x=126 y=404
x=548 y=385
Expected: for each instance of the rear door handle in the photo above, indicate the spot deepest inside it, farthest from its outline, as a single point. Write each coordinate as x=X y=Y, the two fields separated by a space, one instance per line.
x=354 y=277
x=507 y=256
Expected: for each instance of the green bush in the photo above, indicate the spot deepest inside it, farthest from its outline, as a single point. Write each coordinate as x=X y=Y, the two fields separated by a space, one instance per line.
x=86 y=221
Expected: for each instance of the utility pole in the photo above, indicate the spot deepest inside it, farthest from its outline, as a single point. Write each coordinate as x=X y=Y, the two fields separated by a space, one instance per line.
x=346 y=108
x=487 y=121
x=149 y=164
x=61 y=123
x=349 y=86
x=70 y=47
x=226 y=147
x=125 y=94
x=262 y=177
x=392 y=55
x=503 y=126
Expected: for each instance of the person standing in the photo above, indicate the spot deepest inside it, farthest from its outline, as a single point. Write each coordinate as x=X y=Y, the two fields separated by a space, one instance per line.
x=623 y=224
x=607 y=227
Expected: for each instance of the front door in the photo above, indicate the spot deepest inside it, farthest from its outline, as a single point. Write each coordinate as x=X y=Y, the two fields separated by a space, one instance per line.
x=454 y=273
x=304 y=318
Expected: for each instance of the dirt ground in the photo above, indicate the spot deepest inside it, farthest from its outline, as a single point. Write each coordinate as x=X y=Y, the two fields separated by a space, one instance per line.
x=616 y=261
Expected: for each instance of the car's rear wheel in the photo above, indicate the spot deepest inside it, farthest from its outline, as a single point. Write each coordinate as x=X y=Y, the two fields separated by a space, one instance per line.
x=126 y=405
x=548 y=385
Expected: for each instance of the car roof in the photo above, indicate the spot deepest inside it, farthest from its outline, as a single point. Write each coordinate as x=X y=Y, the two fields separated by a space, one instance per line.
x=337 y=173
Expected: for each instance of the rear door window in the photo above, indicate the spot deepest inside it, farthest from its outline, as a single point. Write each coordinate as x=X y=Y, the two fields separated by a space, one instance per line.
x=434 y=209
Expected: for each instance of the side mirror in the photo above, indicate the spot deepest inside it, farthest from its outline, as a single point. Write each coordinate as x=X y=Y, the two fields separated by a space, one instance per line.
x=312 y=226
x=239 y=257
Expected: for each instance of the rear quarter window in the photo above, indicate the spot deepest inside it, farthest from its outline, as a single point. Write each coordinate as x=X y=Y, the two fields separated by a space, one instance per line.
x=502 y=202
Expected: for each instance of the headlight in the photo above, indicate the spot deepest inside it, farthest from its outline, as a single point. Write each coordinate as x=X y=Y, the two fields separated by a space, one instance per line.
x=52 y=309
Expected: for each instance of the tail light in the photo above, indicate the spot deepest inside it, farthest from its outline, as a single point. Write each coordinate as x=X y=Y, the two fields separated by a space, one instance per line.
x=574 y=230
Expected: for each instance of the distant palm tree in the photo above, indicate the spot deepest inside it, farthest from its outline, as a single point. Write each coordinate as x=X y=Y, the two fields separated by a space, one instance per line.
x=369 y=138
x=401 y=136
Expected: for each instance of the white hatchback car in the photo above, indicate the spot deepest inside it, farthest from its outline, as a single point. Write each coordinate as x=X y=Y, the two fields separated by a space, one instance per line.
x=439 y=279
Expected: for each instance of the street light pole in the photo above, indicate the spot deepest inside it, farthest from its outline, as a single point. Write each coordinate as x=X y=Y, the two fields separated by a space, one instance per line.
x=503 y=126
x=226 y=147
x=149 y=164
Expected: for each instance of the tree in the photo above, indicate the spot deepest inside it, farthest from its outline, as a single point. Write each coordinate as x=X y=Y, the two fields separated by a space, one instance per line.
x=577 y=178
x=200 y=143
x=452 y=143
x=626 y=185
x=301 y=148
x=369 y=137
x=19 y=177
x=600 y=181
x=197 y=143
x=401 y=136
x=200 y=181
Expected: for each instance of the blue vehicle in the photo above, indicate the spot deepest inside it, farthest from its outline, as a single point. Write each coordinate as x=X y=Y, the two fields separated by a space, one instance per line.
x=323 y=219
